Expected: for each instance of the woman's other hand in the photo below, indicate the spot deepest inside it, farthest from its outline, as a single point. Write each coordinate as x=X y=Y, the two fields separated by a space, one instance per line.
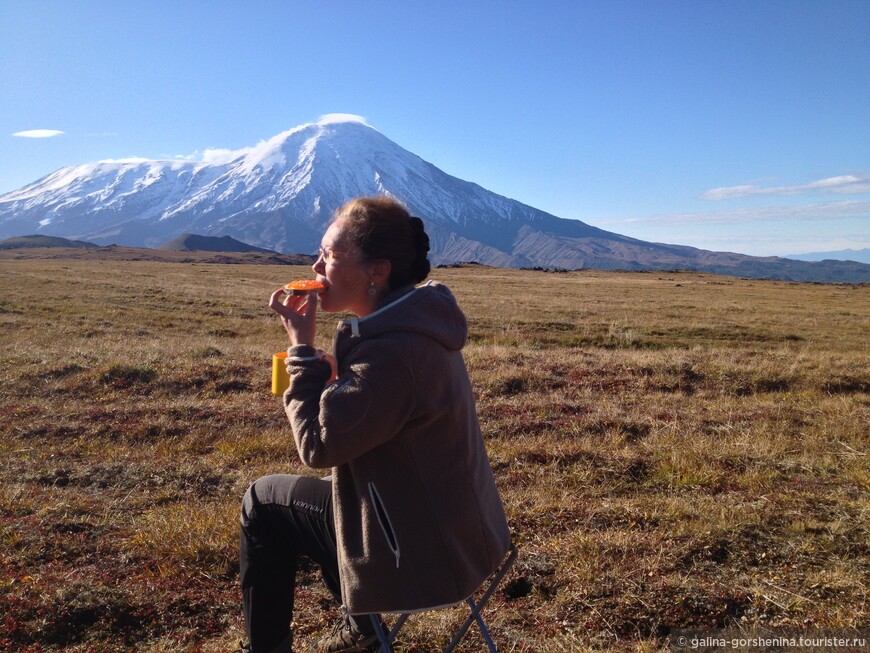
x=298 y=315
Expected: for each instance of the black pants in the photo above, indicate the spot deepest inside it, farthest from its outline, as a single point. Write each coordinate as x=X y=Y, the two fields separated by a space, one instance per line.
x=283 y=517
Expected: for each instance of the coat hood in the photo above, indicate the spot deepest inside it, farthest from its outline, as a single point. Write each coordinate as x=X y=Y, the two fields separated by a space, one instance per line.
x=429 y=310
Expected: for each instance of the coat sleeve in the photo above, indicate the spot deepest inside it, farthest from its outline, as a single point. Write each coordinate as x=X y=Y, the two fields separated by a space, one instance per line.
x=367 y=405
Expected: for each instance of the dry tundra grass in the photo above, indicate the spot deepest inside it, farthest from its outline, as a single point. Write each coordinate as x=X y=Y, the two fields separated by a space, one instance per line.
x=675 y=450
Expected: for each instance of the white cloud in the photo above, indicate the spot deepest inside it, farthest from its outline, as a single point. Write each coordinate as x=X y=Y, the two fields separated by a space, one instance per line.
x=331 y=118
x=214 y=156
x=211 y=156
x=38 y=133
x=128 y=159
x=841 y=210
x=842 y=184
x=217 y=156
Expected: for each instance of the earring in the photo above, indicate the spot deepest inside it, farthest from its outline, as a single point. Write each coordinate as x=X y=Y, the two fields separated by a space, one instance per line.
x=372 y=290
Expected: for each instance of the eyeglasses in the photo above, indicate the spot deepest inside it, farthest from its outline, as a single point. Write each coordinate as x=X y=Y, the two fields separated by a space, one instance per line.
x=328 y=255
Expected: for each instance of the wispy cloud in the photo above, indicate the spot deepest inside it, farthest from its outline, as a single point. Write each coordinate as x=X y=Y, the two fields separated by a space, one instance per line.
x=331 y=118
x=128 y=159
x=38 y=133
x=211 y=156
x=217 y=156
x=842 y=185
x=841 y=210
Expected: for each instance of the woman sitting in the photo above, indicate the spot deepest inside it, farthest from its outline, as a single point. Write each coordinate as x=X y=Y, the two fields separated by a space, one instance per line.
x=410 y=518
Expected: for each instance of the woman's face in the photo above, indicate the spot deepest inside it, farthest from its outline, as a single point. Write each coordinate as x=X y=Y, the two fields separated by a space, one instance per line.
x=346 y=276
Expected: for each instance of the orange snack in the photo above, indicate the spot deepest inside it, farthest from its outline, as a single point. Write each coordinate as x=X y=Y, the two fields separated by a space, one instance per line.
x=304 y=287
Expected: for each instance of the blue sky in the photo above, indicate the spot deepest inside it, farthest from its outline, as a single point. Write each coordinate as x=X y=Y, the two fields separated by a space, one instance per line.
x=734 y=126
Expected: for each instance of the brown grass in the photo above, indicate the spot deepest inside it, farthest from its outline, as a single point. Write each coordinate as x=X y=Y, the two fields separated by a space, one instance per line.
x=674 y=451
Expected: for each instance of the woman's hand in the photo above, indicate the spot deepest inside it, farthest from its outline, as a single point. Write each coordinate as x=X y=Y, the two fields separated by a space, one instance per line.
x=298 y=315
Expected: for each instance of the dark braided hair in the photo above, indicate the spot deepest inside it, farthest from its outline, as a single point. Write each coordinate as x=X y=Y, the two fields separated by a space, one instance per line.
x=382 y=228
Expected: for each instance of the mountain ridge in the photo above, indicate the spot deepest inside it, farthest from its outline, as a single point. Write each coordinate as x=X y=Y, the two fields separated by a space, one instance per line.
x=857 y=255
x=280 y=194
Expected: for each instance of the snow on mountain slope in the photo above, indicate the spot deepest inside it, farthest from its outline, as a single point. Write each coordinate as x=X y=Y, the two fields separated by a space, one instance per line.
x=89 y=197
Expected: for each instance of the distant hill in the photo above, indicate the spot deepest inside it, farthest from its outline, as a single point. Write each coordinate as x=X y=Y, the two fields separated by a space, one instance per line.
x=859 y=255
x=19 y=242
x=199 y=243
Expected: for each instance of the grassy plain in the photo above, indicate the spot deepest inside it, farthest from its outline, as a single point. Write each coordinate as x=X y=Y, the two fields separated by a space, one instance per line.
x=675 y=450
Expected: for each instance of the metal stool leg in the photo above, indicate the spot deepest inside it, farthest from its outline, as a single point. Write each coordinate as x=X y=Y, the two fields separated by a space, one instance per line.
x=398 y=626
x=477 y=607
x=480 y=624
x=383 y=636
x=473 y=616
x=386 y=636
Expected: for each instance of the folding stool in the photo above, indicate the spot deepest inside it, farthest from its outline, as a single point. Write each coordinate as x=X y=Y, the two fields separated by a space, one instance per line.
x=387 y=636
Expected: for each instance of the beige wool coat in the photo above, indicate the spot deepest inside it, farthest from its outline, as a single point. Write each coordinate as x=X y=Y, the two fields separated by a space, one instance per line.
x=419 y=522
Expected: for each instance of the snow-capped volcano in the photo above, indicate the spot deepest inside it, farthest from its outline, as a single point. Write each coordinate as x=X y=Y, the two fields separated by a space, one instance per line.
x=281 y=193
